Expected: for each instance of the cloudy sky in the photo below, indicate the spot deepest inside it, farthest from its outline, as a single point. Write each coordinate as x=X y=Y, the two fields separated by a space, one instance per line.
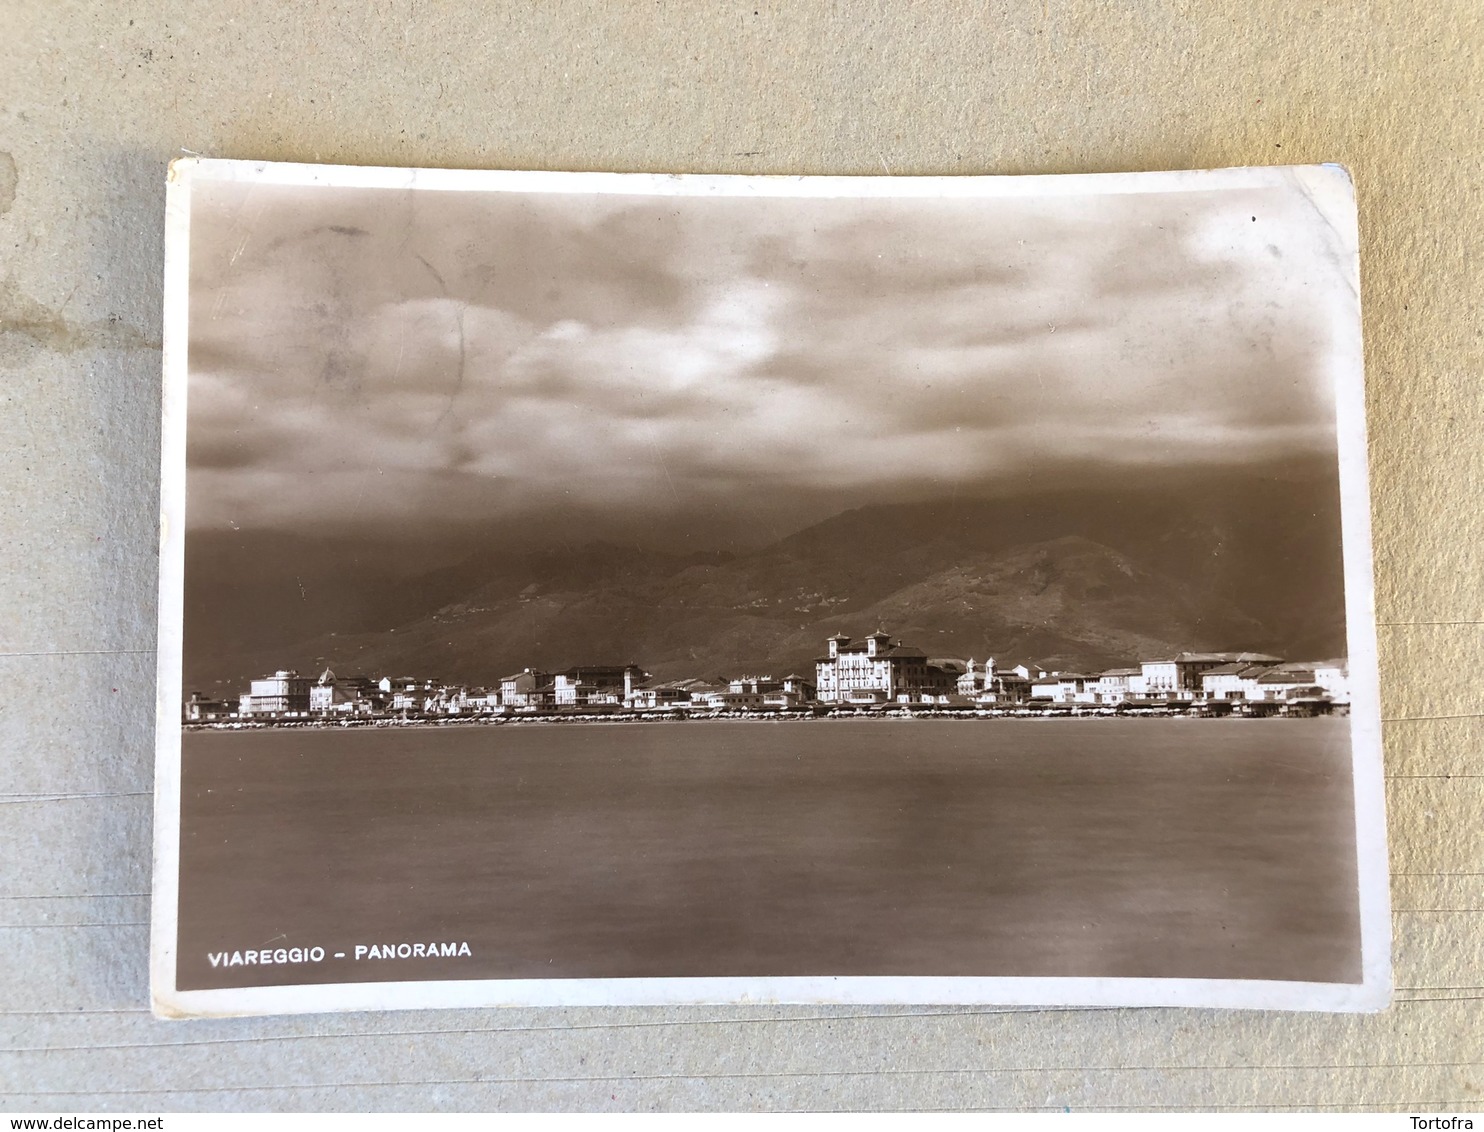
x=406 y=360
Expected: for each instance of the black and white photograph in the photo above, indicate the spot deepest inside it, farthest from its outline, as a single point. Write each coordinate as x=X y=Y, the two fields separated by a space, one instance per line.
x=622 y=589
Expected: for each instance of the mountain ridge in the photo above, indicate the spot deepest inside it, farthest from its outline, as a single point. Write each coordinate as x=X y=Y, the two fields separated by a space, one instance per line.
x=1087 y=579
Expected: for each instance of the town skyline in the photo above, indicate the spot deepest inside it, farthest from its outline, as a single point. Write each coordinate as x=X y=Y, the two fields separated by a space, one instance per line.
x=875 y=672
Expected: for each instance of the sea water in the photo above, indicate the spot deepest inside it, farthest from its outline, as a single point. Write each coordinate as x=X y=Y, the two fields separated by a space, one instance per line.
x=1107 y=847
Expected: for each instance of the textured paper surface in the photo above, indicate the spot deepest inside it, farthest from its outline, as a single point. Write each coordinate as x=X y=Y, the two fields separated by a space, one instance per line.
x=94 y=106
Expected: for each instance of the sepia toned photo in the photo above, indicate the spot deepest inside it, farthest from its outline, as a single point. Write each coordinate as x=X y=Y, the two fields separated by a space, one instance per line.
x=589 y=589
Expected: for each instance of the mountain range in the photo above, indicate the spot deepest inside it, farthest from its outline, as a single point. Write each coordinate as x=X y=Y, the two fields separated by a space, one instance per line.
x=1074 y=579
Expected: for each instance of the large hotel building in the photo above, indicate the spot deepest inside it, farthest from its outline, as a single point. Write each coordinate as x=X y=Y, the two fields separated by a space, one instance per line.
x=876 y=670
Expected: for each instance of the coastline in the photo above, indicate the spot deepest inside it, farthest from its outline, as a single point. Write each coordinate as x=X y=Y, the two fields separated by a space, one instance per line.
x=893 y=713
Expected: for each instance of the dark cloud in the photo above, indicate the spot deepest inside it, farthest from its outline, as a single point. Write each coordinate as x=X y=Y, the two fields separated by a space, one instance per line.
x=370 y=355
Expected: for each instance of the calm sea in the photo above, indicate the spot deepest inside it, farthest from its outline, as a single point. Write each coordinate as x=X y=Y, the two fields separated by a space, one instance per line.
x=1192 y=848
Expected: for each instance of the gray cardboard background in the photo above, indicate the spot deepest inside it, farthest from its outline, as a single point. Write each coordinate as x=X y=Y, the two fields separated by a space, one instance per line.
x=98 y=97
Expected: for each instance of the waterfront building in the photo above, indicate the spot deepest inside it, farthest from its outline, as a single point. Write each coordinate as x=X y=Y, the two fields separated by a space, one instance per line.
x=1006 y=688
x=477 y=701
x=1026 y=671
x=709 y=697
x=941 y=678
x=1115 y=685
x=322 y=692
x=202 y=709
x=989 y=684
x=1224 y=682
x=1334 y=677
x=494 y=702
x=344 y=695
x=1277 y=685
x=1045 y=688
x=285 y=692
x=407 y=699
x=874 y=670
x=755 y=685
x=744 y=700
x=1230 y=681
x=784 y=700
x=1160 y=678
x=1000 y=685
x=795 y=692
x=1179 y=676
x=693 y=687
x=596 y=685
x=527 y=690
x=451 y=700
x=408 y=693
x=796 y=685
x=758 y=693
x=975 y=677
x=1066 y=688
x=658 y=698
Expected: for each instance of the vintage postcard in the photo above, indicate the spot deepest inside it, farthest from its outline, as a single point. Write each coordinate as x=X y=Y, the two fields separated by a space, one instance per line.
x=610 y=589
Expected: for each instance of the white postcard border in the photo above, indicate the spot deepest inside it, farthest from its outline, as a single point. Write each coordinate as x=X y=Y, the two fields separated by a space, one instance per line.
x=1327 y=187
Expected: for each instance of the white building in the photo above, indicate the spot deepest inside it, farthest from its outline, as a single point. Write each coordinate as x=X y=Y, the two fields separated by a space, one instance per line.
x=526 y=690
x=1159 y=678
x=1179 y=676
x=283 y=693
x=784 y=700
x=1334 y=677
x=988 y=684
x=1230 y=681
x=604 y=685
x=659 y=698
x=1118 y=684
x=976 y=677
x=711 y=697
x=874 y=670
x=343 y=695
x=204 y=709
x=1066 y=688
x=481 y=701
x=1278 y=685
